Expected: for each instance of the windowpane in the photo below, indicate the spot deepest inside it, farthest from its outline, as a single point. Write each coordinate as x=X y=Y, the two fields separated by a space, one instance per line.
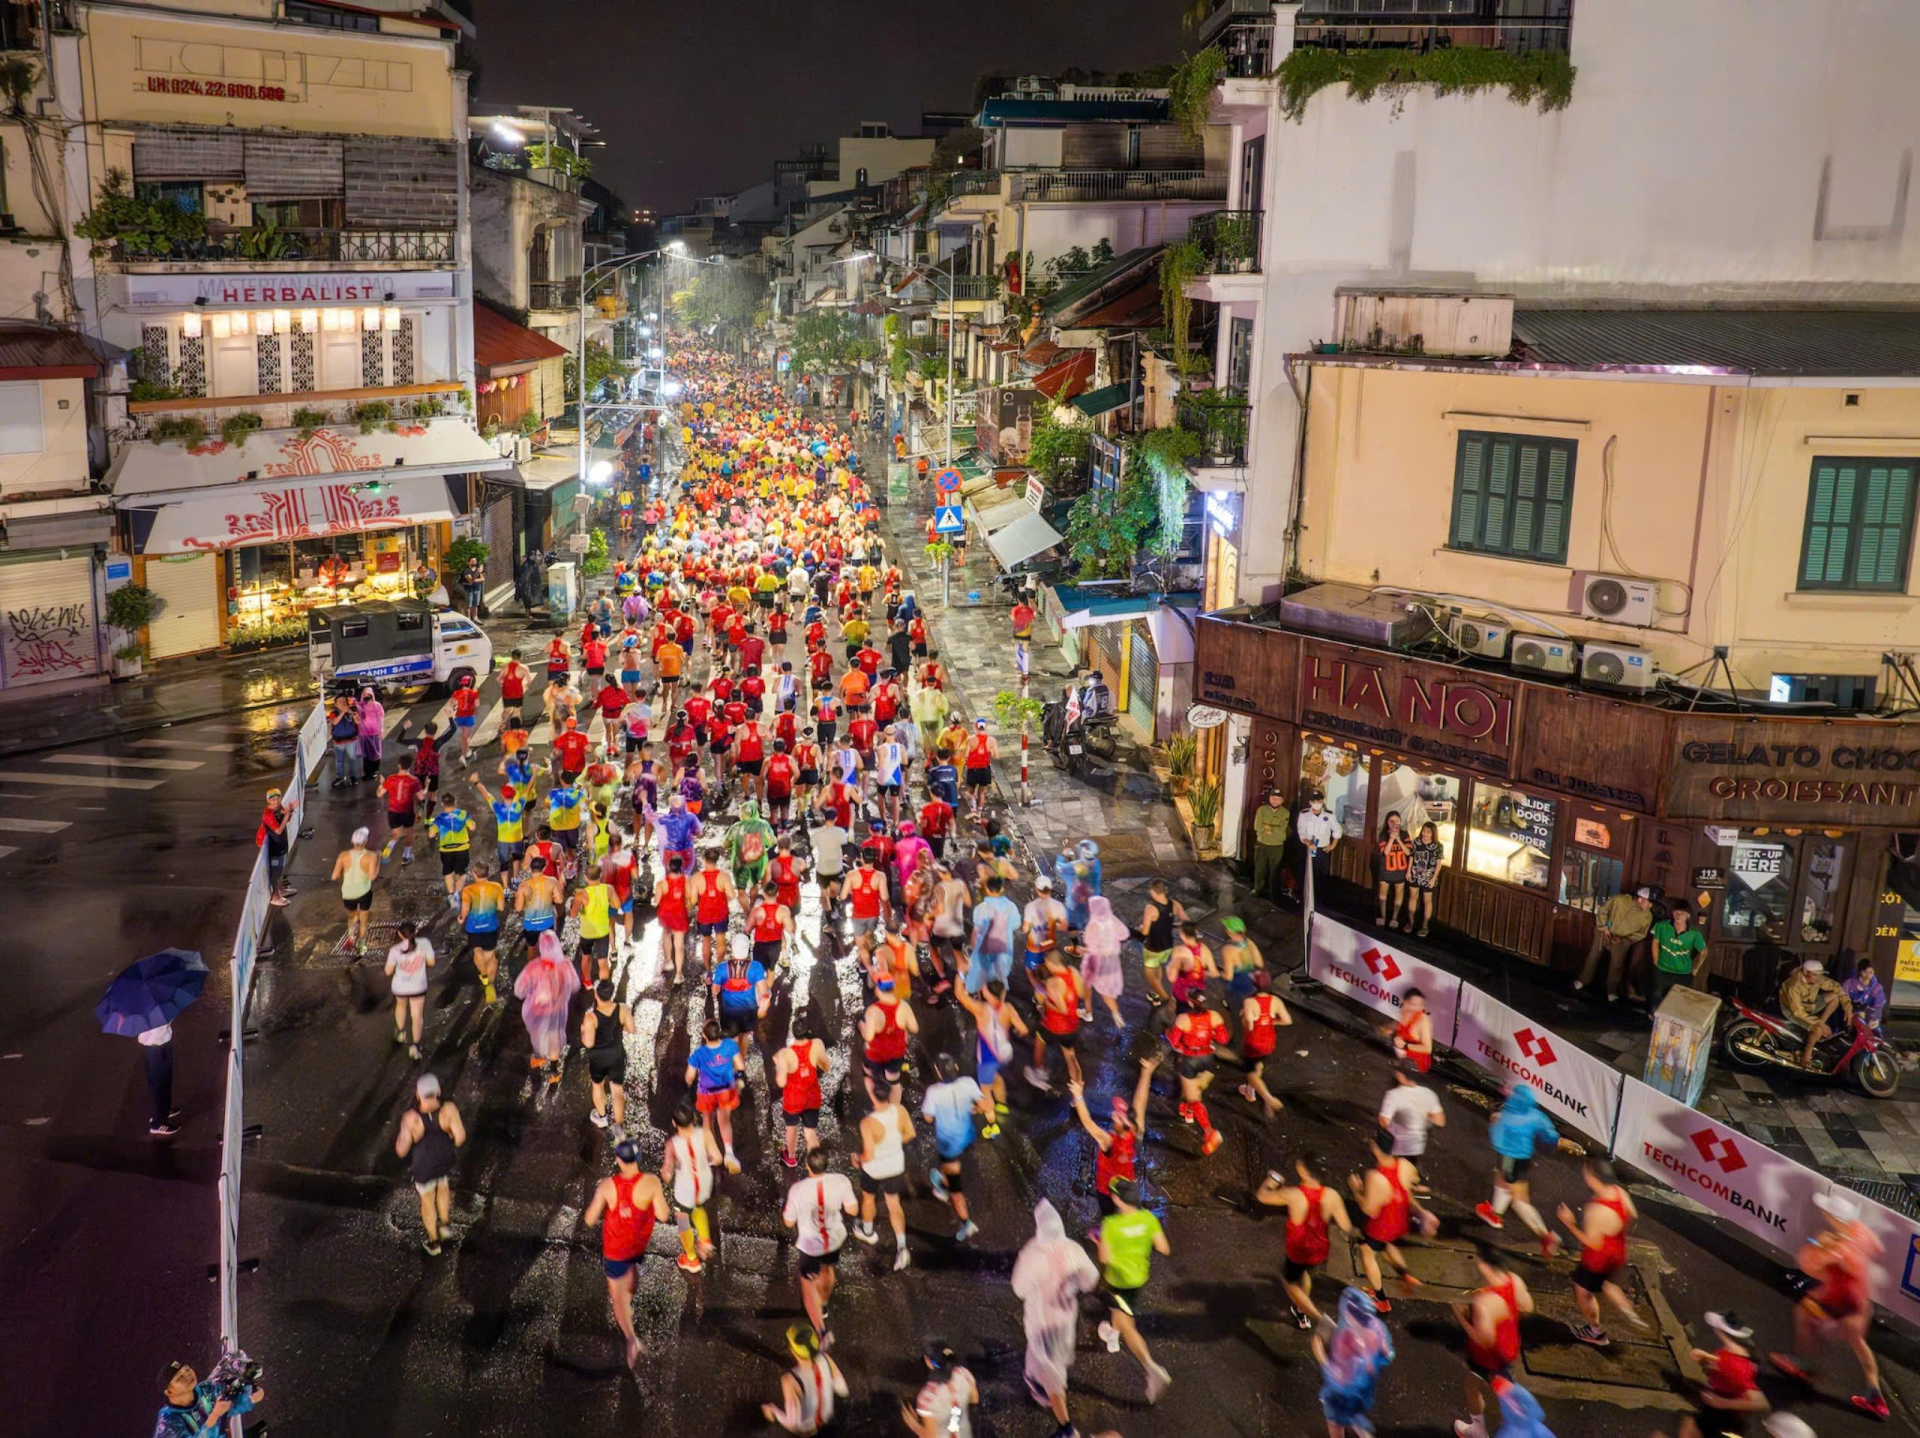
x=1859 y=525
x=1510 y=836
x=1759 y=891
x=1826 y=861
x=1420 y=799
x=1340 y=775
x=1510 y=495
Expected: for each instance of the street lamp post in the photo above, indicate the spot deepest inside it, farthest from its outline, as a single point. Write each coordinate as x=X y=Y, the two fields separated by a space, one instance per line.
x=946 y=561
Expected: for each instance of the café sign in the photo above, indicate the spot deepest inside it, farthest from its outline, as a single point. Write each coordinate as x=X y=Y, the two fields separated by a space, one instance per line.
x=1778 y=769
x=1425 y=709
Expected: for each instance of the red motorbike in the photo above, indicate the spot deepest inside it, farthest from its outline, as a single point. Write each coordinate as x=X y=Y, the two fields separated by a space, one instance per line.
x=1756 y=1039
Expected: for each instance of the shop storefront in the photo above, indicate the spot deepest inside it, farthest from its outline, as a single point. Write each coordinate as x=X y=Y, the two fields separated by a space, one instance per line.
x=240 y=540
x=1790 y=837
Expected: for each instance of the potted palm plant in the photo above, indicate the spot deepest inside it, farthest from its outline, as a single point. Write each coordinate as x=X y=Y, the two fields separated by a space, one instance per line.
x=1203 y=801
x=1180 y=753
x=130 y=609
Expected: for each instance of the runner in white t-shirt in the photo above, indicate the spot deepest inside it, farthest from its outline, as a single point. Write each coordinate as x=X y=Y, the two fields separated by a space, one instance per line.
x=1407 y=1112
x=408 y=961
x=817 y=1210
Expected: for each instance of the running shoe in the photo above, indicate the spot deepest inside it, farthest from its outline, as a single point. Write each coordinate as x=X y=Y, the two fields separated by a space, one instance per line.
x=431 y=1247
x=413 y=1052
x=1871 y=1403
x=1213 y=1141
x=688 y=1263
x=999 y=1107
x=1300 y=1320
x=598 y=1119
x=1588 y=1334
x=1791 y=1369
x=164 y=1130
x=1110 y=1336
x=789 y=1159
x=1157 y=1380
x=1549 y=1244
x=965 y=1232
x=902 y=1260
x=866 y=1233
x=1485 y=1213
x=937 y=1181
x=991 y=1130
x=1037 y=1078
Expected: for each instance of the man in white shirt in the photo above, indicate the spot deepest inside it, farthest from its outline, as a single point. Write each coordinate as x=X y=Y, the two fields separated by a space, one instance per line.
x=1407 y=1112
x=156 y=1047
x=797 y=581
x=817 y=1210
x=1318 y=832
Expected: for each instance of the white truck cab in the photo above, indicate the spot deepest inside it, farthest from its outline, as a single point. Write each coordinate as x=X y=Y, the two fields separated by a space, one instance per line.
x=395 y=644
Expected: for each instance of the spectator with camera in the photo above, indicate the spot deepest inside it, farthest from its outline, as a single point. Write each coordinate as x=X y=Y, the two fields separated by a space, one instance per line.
x=195 y=1405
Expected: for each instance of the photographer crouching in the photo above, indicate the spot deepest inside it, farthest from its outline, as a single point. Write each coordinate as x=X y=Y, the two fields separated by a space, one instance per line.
x=195 y=1405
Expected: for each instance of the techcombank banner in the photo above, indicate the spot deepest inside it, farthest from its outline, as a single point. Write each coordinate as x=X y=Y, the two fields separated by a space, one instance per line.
x=1379 y=975
x=1736 y=1177
x=1572 y=1085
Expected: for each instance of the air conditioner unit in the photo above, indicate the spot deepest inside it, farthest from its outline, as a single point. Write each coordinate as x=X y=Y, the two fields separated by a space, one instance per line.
x=1613 y=598
x=1479 y=635
x=1616 y=666
x=1542 y=655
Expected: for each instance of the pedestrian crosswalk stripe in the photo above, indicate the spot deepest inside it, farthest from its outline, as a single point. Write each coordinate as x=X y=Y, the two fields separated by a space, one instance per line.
x=11 y=825
x=185 y=744
x=77 y=781
x=6 y=849
x=106 y=760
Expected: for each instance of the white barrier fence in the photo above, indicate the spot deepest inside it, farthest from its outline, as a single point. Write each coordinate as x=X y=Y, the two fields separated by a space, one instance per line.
x=1734 y=1177
x=246 y=949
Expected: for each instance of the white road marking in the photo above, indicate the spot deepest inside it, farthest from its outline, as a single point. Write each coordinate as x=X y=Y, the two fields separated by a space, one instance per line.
x=6 y=849
x=107 y=760
x=77 y=781
x=33 y=826
x=185 y=744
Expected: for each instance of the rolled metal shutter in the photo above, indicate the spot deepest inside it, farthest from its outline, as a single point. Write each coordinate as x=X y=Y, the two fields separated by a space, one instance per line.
x=293 y=167
x=188 y=586
x=496 y=532
x=1143 y=678
x=51 y=623
x=1093 y=147
x=1166 y=147
x=188 y=154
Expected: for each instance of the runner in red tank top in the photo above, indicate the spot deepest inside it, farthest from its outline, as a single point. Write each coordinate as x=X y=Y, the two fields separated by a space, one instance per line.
x=713 y=897
x=979 y=767
x=1413 y=1035
x=1386 y=1202
x=884 y=1030
x=1115 y=1148
x=670 y=903
x=1059 y=994
x=770 y=923
x=1311 y=1207
x=630 y=1202
x=1490 y=1319
x=797 y=1069
x=1262 y=1015
x=1193 y=1034
x=1601 y=1233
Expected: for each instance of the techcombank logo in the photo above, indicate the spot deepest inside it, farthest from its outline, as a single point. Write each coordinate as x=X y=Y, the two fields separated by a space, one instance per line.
x=1537 y=1056
x=1704 y=1171
x=1381 y=971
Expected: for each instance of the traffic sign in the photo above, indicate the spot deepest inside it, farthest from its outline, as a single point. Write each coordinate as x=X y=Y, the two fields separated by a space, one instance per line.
x=947 y=519
x=947 y=481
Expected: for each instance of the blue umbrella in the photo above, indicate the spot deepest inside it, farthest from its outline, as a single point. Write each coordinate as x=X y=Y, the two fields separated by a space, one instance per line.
x=151 y=992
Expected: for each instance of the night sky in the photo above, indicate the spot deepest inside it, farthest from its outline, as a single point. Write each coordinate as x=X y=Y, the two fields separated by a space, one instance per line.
x=701 y=96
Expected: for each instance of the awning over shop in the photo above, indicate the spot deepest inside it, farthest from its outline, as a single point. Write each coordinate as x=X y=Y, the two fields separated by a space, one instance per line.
x=149 y=472
x=1064 y=379
x=1095 y=403
x=1041 y=352
x=73 y=521
x=1072 y=607
x=995 y=509
x=543 y=472
x=1014 y=544
x=501 y=347
x=278 y=511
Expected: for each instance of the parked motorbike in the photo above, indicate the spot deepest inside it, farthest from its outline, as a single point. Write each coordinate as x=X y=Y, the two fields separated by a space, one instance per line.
x=1756 y=1039
x=1070 y=746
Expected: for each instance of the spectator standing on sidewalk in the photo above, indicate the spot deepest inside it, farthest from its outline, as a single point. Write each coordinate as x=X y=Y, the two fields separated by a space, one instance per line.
x=1319 y=831
x=1270 y=823
x=272 y=837
x=1678 y=950
x=1623 y=923
x=156 y=1048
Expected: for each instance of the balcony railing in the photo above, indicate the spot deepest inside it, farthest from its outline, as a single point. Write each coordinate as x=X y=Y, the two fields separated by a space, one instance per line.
x=271 y=245
x=1117 y=185
x=1243 y=30
x=553 y=294
x=972 y=287
x=407 y=402
x=1221 y=421
x=1230 y=239
x=1432 y=25
x=974 y=182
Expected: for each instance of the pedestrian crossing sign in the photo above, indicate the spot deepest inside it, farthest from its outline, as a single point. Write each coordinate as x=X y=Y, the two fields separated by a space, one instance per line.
x=947 y=519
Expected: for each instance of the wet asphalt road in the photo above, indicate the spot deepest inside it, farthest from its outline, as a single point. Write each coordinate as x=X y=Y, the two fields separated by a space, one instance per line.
x=508 y=1332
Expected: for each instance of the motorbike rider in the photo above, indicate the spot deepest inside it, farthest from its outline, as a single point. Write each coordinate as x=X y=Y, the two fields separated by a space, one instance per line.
x=1095 y=698
x=1809 y=998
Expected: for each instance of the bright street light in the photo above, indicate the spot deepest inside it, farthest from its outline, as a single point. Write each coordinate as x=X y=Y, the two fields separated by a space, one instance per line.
x=645 y=330
x=601 y=472
x=670 y=388
x=655 y=352
x=506 y=134
x=676 y=247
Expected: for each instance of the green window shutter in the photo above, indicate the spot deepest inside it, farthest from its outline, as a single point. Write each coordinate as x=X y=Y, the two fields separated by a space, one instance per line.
x=1859 y=533
x=1469 y=479
x=1499 y=496
x=1897 y=530
x=1525 y=497
x=1818 y=538
x=1553 y=504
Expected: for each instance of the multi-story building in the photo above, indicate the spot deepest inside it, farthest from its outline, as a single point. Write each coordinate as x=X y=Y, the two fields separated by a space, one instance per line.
x=270 y=212
x=1574 y=514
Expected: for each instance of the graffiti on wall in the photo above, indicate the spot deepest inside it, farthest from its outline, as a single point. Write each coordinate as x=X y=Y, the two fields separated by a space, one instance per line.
x=47 y=641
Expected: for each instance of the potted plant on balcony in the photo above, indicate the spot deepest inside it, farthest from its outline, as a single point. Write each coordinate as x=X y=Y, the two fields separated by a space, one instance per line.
x=130 y=609
x=1233 y=242
x=1203 y=807
x=141 y=229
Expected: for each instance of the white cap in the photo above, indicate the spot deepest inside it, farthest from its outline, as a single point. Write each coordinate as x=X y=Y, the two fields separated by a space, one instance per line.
x=1837 y=1206
x=426 y=1086
x=1643 y=893
x=1043 y=882
x=1813 y=966
x=360 y=837
x=742 y=946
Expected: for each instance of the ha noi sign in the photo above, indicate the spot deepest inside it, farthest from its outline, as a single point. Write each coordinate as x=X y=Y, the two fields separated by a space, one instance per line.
x=1434 y=711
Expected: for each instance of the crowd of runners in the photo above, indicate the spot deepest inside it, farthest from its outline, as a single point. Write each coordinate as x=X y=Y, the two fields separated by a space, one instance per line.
x=753 y=723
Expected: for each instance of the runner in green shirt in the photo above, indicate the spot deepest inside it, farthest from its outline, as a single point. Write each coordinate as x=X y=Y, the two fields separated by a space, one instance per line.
x=1677 y=949
x=1127 y=1241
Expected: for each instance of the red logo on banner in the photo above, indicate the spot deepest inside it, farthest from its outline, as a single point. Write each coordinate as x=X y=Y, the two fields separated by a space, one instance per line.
x=1534 y=1046
x=1717 y=1149
x=1380 y=964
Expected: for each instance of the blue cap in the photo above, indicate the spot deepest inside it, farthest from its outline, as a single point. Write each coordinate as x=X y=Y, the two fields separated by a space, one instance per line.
x=627 y=1151
x=884 y=986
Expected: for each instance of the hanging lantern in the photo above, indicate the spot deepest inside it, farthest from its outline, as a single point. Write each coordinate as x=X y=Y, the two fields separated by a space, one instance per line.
x=263 y=323
x=222 y=326
x=370 y=319
x=486 y=386
x=283 y=321
x=309 y=320
x=390 y=318
x=240 y=322
x=190 y=324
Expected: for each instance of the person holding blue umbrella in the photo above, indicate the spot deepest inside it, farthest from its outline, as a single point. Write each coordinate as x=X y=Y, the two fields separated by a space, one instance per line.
x=142 y=1003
